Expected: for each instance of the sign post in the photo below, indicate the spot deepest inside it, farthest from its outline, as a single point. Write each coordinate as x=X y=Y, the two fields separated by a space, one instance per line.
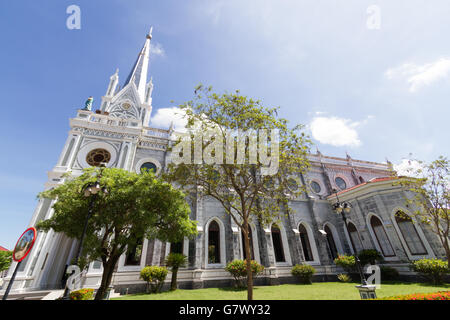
x=21 y=250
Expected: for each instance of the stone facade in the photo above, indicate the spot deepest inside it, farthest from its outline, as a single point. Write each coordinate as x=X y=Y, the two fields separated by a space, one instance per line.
x=313 y=234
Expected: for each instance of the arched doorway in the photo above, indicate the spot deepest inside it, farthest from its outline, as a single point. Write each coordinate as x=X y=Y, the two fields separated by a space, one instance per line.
x=277 y=244
x=306 y=245
x=331 y=242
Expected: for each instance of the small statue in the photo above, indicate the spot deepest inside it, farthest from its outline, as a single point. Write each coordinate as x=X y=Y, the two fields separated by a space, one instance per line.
x=88 y=104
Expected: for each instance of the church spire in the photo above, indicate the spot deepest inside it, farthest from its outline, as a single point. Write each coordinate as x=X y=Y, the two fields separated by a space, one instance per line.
x=138 y=74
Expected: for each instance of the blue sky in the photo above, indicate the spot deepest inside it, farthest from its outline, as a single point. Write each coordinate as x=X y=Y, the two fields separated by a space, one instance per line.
x=374 y=93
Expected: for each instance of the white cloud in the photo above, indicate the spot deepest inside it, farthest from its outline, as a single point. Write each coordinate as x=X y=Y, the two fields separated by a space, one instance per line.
x=335 y=131
x=418 y=76
x=165 y=116
x=157 y=49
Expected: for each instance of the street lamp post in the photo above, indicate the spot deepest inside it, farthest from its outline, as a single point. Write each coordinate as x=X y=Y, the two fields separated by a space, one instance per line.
x=91 y=191
x=343 y=208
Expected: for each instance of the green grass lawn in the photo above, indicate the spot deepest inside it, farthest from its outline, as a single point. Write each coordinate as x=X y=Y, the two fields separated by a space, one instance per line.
x=316 y=291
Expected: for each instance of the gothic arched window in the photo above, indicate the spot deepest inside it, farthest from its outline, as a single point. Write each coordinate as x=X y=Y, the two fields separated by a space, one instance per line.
x=331 y=243
x=134 y=253
x=277 y=244
x=354 y=237
x=381 y=237
x=176 y=247
x=306 y=246
x=213 y=242
x=409 y=233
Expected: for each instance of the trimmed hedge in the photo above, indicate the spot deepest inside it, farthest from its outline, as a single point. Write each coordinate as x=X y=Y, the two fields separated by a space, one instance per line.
x=238 y=269
x=347 y=262
x=389 y=273
x=432 y=269
x=154 y=276
x=303 y=272
x=369 y=256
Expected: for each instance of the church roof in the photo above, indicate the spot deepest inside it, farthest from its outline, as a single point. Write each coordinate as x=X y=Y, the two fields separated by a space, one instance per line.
x=3 y=249
x=136 y=71
x=374 y=180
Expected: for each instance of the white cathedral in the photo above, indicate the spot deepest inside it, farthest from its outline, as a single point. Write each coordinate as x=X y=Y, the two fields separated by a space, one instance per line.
x=119 y=133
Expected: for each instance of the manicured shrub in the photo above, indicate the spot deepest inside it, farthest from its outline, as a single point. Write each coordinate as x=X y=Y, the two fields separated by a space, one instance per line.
x=371 y=256
x=175 y=261
x=238 y=269
x=348 y=263
x=389 y=273
x=82 y=294
x=432 y=269
x=154 y=276
x=304 y=272
x=342 y=277
x=441 y=295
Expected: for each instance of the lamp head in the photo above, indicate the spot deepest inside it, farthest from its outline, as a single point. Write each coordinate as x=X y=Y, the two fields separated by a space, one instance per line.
x=337 y=207
x=87 y=191
x=347 y=207
x=96 y=188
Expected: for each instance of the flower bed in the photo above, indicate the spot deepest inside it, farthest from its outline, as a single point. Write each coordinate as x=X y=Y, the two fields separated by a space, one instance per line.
x=441 y=295
x=82 y=294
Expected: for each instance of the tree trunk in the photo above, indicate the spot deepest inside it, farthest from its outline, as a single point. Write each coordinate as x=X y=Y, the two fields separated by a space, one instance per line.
x=108 y=270
x=445 y=244
x=447 y=253
x=248 y=259
x=173 y=283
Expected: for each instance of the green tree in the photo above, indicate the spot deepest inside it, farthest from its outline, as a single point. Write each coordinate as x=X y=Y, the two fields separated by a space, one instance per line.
x=175 y=261
x=5 y=260
x=247 y=189
x=429 y=186
x=136 y=206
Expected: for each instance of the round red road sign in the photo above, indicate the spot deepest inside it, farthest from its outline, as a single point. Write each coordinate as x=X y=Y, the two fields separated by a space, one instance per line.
x=24 y=244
